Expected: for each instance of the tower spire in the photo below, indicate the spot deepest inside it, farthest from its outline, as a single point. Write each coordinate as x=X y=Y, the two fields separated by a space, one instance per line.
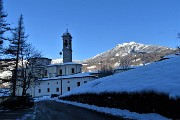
x=67 y=28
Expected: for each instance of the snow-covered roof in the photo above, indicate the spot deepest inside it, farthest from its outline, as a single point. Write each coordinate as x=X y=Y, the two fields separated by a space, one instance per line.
x=62 y=64
x=162 y=77
x=79 y=75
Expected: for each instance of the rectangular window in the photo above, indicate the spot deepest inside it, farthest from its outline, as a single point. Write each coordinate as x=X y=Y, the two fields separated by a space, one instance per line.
x=60 y=72
x=57 y=89
x=39 y=91
x=45 y=73
x=72 y=70
x=68 y=89
x=78 y=84
x=48 y=89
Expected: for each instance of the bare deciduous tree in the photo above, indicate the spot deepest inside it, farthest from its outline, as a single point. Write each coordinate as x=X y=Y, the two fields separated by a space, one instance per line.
x=106 y=69
x=125 y=62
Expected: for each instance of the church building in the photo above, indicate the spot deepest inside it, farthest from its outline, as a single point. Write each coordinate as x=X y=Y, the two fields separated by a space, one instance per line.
x=62 y=77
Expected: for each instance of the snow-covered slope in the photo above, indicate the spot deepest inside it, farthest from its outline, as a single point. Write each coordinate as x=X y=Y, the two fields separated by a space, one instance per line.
x=160 y=76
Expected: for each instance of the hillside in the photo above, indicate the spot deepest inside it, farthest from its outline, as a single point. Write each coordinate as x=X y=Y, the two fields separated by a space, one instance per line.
x=162 y=77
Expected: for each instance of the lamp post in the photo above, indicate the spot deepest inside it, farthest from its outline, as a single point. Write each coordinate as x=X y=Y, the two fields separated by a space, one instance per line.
x=60 y=53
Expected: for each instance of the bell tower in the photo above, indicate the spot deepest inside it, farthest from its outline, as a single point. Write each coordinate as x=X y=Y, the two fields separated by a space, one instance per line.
x=67 y=47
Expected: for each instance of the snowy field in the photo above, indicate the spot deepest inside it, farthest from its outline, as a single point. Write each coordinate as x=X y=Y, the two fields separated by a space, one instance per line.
x=161 y=77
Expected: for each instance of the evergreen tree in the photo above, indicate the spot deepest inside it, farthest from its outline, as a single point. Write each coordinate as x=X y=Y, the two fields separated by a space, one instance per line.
x=17 y=48
x=3 y=26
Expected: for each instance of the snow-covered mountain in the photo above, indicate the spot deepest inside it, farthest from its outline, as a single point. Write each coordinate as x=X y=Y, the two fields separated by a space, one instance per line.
x=136 y=53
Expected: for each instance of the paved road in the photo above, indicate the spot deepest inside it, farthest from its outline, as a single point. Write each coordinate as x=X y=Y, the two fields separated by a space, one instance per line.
x=52 y=110
x=17 y=114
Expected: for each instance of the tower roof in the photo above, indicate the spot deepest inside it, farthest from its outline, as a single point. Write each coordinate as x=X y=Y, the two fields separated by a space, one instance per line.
x=66 y=33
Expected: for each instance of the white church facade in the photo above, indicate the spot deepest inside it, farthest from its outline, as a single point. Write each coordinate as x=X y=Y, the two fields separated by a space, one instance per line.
x=60 y=78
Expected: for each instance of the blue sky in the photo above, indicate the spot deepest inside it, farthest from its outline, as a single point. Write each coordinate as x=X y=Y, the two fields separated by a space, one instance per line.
x=96 y=25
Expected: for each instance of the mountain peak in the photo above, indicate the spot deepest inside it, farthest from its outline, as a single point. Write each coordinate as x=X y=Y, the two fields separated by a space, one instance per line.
x=125 y=44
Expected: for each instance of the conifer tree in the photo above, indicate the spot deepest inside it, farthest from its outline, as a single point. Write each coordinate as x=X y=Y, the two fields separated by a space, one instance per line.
x=3 y=26
x=17 y=48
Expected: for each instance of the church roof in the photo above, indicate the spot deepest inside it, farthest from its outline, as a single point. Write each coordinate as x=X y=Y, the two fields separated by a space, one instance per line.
x=62 y=64
x=79 y=75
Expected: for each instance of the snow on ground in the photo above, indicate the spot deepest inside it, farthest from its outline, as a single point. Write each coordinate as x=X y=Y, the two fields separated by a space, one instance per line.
x=42 y=98
x=91 y=67
x=4 y=92
x=118 y=112
x=111 y=111
x=5 y=74
x=162 y=77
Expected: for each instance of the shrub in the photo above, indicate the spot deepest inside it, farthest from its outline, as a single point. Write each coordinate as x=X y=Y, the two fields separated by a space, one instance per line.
x=141 y=102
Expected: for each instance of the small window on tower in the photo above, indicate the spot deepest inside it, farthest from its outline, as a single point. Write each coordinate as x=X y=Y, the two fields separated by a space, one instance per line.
x=65 y=43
